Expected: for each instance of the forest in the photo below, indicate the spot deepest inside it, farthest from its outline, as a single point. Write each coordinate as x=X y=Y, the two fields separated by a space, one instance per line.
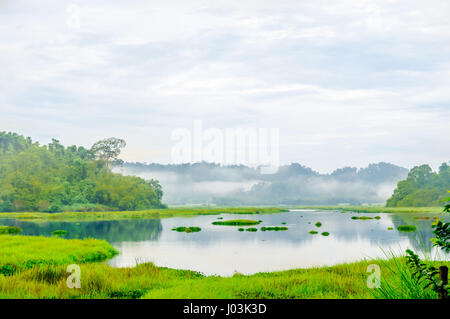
x=422 y=187
x=53 y=178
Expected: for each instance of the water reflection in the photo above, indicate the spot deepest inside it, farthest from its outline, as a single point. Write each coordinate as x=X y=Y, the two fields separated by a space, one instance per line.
x=113 y=231
x=223 y=250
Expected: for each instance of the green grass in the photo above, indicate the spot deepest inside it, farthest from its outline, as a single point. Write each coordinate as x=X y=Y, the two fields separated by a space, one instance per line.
x=19 y=252
x=406 y=228
x=275 y=228
x=146 y=214
x=377 y=209
x=190 y=229
x=59 y=232
x=345 y=281
x=237 y=222
x=10 y=230
x=366 y=217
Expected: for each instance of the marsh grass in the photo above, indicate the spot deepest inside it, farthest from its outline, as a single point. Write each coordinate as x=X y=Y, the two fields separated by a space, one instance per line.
x=148 y=281
x=237 y=222
x=11 y=230
x=406 y=228
x=146 y=214
x=191 y=229
x=59 y=232
x=21 y=252
x=365 y=217
x=400 y=282
x=274 y=228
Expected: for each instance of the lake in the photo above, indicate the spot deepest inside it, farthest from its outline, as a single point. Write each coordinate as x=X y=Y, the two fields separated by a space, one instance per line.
x=223 y=250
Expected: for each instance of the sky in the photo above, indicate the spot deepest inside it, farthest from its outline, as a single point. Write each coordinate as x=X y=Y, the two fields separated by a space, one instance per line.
x=347 y=83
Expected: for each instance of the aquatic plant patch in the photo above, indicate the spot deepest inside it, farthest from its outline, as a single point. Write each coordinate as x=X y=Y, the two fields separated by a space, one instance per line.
x=11 y=230
x=59 y=232
x=366 y=217
x=406 y=228
x=190 y=229
x=275 y=228
x=20 y=252
x=237 y=222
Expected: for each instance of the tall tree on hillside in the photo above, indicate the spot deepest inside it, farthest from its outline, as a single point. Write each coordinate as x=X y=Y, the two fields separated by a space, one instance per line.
x=108 y=150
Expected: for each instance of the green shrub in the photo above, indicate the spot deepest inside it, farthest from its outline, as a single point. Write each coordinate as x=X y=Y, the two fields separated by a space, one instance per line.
x=59 y=232
x=190 y=229
x=406 y=228
x=237 y=222
x=10 y=230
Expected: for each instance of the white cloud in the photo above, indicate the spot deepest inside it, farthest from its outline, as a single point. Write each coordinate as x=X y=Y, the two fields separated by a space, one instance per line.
x=363 y=80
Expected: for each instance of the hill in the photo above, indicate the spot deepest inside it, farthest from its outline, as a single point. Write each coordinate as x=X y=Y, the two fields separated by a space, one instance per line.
x=53 y=178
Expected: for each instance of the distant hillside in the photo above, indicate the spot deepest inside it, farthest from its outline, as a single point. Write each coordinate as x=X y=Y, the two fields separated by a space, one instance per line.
x=422 y=187
x=294 y=184
x=53 y=178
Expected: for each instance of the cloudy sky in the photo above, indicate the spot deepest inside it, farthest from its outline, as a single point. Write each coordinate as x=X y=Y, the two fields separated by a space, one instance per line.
x=346 y=82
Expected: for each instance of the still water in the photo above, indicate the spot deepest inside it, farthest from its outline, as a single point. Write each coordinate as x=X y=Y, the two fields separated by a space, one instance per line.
x=223 y=250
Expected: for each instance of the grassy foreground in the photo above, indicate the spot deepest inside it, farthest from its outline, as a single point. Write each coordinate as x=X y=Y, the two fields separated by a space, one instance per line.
x=144 y=214
x=100 y=281
x=36 y=267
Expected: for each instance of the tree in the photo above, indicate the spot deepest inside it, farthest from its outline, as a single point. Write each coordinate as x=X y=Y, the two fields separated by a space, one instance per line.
x=52 y=178
x=108 y=150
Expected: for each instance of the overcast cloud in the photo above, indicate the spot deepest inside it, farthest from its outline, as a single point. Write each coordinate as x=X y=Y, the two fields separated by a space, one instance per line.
x=347 y=82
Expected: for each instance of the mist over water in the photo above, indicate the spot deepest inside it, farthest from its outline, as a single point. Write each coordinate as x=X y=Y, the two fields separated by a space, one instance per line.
x=294 y=184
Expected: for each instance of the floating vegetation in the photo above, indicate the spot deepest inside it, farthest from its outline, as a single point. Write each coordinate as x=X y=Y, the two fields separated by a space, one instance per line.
x=219 y=217
x=366 y=217
x=252 y=229
x=425 y=218
x=406 y=228
x=241 y=229
x=190 y=229
x=318 y=224
x=276 y=228
x=283 y=223
x=325 y=233
x=238 y=222
x=10 y=230
x=313 y=232
x=59 y=232
x=390 y=228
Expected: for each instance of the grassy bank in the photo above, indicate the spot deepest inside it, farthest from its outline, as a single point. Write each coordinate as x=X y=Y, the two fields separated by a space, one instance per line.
x=377 y=209
x=22 y=252
x=144 y=214
x=99 y=280
x=35 y=267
